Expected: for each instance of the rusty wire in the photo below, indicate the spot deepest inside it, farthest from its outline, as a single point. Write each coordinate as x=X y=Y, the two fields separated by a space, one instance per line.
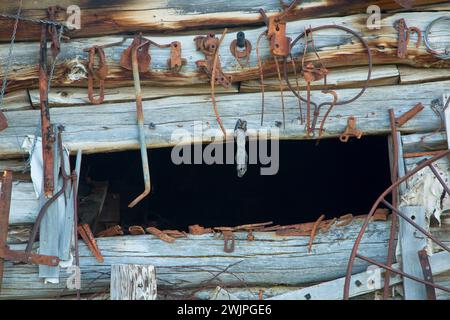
x=213 y=82
x=338 y=103
x=381 y=199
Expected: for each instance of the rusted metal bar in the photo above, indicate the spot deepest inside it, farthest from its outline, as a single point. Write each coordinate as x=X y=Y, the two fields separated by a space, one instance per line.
x=86 y=234
x=358 y=239
x=101 y=73
x=313 y=232
x=5 y=252
x=427 y=273
x=140 y=124
x=438 y=176
x=394 y=177
x=161 y=235
x=408 y=115
x=48 y=136
x=421 y=154
x=403 y=274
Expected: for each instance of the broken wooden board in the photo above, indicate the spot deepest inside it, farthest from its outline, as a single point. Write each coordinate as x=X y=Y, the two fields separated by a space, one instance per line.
x=111 y=127
x=120 y=16
x=193 y=261
x=335 y=47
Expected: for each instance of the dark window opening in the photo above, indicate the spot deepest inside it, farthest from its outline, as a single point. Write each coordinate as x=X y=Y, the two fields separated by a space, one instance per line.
x=331 y=178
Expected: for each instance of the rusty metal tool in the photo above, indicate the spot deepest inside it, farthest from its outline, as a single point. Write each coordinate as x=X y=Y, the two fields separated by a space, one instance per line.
x=351 y=130
x=5 y=252
x=404 y=34
x=111 y=232
x=141 y=47
x=241 y=48
x=199 y=230
x=48 y=136
x=160 y=234
x=100 y=73
x=408 y=115
x=427 y=273
x=136 y=230
x=86 y=234
x=55 y=46
x=314 y=231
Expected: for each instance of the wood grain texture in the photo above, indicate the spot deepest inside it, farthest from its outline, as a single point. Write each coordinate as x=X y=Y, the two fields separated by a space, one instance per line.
x=335 y=47
x=133 y=282
x=121 y=16
x=111 y=127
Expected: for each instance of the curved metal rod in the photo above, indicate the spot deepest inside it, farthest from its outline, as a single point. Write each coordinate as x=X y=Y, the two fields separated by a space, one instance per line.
x=44 y=208
x=369 y=73
x=140 y=124
x=372 y=211
x=441 y=55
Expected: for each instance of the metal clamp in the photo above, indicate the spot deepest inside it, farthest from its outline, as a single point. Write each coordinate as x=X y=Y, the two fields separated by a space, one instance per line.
x=351 y=130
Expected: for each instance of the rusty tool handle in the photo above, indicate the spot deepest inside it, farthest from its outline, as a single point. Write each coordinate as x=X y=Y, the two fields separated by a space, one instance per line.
x=140 y=124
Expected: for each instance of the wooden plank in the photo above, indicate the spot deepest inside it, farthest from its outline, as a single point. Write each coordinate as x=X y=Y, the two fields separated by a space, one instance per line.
x=335 y=47
x=362 y=283
x=111 y=127
x=133 y=282
x=411 y=242
x=193 y=261
x=120 y=16
x=420 y=142
x=410 y=75
x=58 y=97
x=339 y=78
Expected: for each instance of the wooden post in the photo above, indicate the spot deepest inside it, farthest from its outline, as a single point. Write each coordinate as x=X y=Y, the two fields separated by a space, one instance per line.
x=412 y=241
x=133 y=282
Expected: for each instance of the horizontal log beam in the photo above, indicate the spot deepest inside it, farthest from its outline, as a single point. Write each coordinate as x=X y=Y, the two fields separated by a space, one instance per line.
x=120 y=16
x=191 y=262
x=112 y=127
x=335 y=47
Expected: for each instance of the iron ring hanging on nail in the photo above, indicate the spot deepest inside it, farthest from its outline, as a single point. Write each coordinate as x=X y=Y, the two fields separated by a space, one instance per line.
x=334 y=103
x=444 y=55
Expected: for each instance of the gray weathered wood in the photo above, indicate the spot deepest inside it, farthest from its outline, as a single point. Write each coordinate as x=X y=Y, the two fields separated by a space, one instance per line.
x=411 y=242
x=193 y=261
x=133 y=282
x=362 y=283
x=420 y=142
x=111 y=127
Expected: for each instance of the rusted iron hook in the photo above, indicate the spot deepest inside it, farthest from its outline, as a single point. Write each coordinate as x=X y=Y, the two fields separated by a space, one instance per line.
x=101 y=73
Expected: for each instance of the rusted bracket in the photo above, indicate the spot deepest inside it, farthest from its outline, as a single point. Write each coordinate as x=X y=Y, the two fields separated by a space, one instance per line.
x=228 y=236
x=52 y=11
x=351 y=130
x=241 y=48
x=404 y=34
x=86 y=234
x=5 y=252
x=3 y=121
x=427 y=273
x=143 y=56
x=101 y=73
x=48 y=135
x=175 y=62
x=208 y=46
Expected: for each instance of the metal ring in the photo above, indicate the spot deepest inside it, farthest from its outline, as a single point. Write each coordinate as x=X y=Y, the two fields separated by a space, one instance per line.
x=440 y=55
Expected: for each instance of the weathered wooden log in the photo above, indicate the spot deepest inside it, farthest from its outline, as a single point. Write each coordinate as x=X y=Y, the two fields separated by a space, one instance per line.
x=111 y=127
x=335 y=47
x=192 y=262
x=119 y=16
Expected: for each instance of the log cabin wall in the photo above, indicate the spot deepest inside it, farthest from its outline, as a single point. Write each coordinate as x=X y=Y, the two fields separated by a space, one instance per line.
x=173 y=101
